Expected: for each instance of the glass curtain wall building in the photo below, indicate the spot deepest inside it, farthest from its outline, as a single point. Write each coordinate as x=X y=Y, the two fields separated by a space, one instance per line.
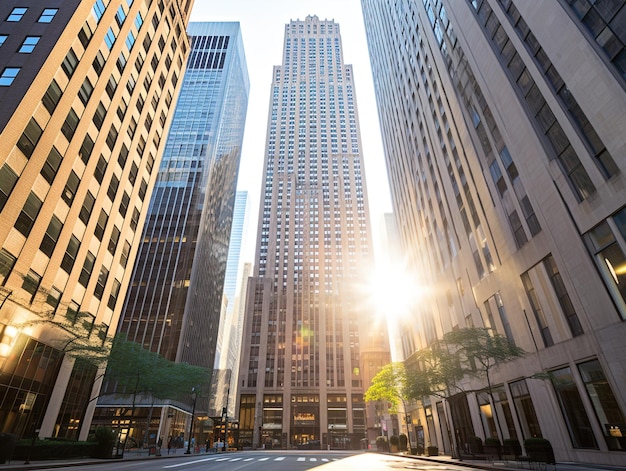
x=301 y=381
x=175 y=297
x=503 y=134
x=86 y=95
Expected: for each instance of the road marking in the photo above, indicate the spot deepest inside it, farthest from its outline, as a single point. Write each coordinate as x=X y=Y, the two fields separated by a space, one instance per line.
x=312 y=459
x=189 y=462
x=223 y=459
x=280 y=458
x=301 y=459
x=235 y=459
x=263 y=459
x=324 y=459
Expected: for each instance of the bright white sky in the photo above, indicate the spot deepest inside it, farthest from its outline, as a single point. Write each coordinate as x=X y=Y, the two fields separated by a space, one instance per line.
x=262 y=25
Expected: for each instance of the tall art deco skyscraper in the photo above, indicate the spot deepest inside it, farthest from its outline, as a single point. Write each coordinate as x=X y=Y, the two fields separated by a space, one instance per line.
x=86 y=93
x=174 y=301
x=503 y=124
x=300 y=378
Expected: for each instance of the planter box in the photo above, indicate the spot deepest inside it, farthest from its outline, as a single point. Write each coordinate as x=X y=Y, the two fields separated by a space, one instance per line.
x=432 y=451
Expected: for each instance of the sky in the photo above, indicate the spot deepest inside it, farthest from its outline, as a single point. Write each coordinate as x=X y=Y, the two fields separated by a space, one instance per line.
x=262 y=28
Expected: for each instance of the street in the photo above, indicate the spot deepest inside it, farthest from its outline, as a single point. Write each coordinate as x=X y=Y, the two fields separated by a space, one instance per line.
x=274 y=460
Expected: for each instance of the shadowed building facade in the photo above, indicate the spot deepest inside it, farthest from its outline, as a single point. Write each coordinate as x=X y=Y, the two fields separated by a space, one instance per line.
x=503 y=128
x=86 y=93
x=175 y=297
x=301 y=380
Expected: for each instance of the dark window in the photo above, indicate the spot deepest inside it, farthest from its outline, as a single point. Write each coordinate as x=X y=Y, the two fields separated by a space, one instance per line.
x=102 y=281
x=86 y=149
x=563 y=296
x=115 y=291
x=125 y=254
x=113 y=186
x=134 y=219
x=98 y=63
x=85 y=273
x=69 y=63
x=52 y=96
x=85 y=210
x=85 y=91
x=29 y=138
x=124 y=204
x=8 y=76
x=48 y=15
x=69 y=126
x=8 y=179
x=121 y=159
x=111 y=86
x=53 y=298
x=70 y=254
x=70 y=188
x=51 y=236
x=112 y=137
x=7 y=262
x=100 y=169
x=31 y=283
x=84 y=35
x=121 y=62
x=115 y=237
x=132 y=176
x=101 y=224
x=51 y=165
x=99 y=115
x=121 y=109
x=29 y=213
x=143 y=187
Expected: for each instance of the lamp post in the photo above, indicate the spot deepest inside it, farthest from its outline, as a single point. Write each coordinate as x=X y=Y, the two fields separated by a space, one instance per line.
x=194 y=396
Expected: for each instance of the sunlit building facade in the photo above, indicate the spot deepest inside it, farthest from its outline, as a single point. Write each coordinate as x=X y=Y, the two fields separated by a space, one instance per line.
x=503 y=128
x=301 y=381
x=174 y=300
x=86 y=93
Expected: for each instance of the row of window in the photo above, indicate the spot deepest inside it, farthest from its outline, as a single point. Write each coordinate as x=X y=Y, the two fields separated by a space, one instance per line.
x=46 y=16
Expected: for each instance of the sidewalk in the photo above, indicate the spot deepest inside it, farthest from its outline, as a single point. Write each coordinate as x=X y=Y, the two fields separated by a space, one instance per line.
x=133 y=455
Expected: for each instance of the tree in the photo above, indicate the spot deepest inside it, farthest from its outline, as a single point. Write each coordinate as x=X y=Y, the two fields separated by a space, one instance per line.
x=391 y=385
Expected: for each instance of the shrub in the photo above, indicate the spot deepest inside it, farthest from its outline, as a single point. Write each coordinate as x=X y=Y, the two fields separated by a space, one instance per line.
x=105 y=441
x=512 y=447
x=394 y=440
x=403 y=442
x=381 y=443
x=475 y=444
x=539 y=450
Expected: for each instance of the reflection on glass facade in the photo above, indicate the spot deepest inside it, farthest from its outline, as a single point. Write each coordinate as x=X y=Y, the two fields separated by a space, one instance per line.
x=179 y=274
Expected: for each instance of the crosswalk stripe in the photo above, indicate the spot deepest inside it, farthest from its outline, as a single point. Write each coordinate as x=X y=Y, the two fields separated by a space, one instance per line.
x=234 y=459
x=248 y=459
x=301 y=459
x=324 y=459
x=263 y=459
x=313 y=459
x=280 y=458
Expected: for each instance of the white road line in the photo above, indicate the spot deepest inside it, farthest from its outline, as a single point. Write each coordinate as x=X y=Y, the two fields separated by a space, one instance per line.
x=234 y=459
x=263 y=459
x=188 y=463
x=280 y=458
x=312 y=459
x=223 y=459
x=302 y=458
x=324 y=459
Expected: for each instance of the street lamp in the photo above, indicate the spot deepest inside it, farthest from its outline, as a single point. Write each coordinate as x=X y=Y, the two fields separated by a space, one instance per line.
x=194 y=396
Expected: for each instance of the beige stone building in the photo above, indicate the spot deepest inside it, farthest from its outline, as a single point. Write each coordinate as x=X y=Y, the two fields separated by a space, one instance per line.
x=86 y=93
x=503 y=126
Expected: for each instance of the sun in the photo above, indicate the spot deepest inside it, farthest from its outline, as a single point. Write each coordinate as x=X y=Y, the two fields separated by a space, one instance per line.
x=394 y=291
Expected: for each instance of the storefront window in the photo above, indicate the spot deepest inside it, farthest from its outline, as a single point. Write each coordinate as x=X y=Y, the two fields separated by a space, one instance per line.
x=572 y=408
x=525 y=409
x=607 y=410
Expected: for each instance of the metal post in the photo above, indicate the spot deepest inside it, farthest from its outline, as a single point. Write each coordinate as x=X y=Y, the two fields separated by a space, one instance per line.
x=193 y=411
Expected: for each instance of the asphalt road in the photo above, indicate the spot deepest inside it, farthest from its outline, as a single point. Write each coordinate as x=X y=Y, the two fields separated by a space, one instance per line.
x=275 y=460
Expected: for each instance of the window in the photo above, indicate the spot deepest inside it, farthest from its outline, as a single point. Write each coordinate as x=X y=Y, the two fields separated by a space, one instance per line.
x=69 y=63
x=86 y=149
x=51 y=165
x=85 y=273
x=115 y=291
x=51 y=236
x=101 y=224
x=29 y=44
x=52 y=96
x=98 y=10
x=69 y=126
x=84 y=35
x=85 y=91
x=85 y=210
x=124 y=204
x=48 y=15
x=100 y=169
x=112 y=137
x=7 y=262
x=98 y=63
x=525 y=409
x=29 y=138
x=26 y=219
x=16 y=14
x=70 y=254
x=125 y=254
x=3 y=38
x=605 y=405
x=120 y=16
x=111 y=86
x=70 y=188
x=109 y=38
x=8 y=75
x=54 y=298
x=8 y=179
x=134 y=219
x=132 y=176
x=121 y=159
x=115 y=237
x=99 y=115
x=31 y=283
x=102 y=281
x=563 y=296
x=142 y=189
x=113 y=186
x=573 y=410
